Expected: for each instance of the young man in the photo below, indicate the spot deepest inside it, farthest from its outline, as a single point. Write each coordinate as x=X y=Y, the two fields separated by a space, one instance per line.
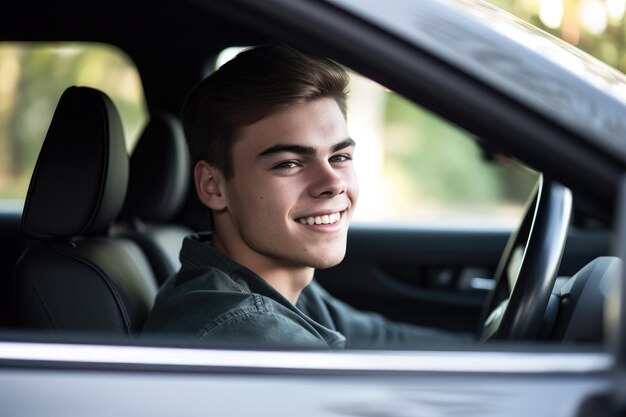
x=273 y=163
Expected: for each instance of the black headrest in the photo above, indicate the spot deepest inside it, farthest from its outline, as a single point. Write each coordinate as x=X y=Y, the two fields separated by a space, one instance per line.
x=80 y=179
x=159 y=171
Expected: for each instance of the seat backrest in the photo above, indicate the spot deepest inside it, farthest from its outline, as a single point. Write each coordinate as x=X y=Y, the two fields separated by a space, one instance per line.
x=159 y=180
x=72 y=275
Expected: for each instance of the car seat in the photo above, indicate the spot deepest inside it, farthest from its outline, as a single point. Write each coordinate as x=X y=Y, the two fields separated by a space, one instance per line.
x=159 y=181
x=73 y=276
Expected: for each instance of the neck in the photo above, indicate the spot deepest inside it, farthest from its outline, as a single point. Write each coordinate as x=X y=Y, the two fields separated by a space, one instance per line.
x=288 y=279
x=289 y=282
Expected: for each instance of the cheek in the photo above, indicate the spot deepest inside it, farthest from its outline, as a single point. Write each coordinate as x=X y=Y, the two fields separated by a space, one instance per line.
x=283 y=194
x=353 y=186
x=264 y=200
x=268 y=203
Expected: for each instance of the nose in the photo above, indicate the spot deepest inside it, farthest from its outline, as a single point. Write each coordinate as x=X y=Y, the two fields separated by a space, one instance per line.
x=327 y=182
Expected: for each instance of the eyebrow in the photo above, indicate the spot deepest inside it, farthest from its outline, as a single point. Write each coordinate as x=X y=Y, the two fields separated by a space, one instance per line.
x=305 y=150
x=344 y=144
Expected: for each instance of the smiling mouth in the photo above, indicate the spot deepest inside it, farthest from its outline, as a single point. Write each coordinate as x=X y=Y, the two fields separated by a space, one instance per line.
x=325 y=219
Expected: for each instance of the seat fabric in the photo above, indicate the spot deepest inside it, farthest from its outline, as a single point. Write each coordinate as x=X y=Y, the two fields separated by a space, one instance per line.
x=159 y=181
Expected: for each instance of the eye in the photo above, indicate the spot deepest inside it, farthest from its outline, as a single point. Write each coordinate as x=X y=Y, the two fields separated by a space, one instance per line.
x=340 y=158
x=286 y=165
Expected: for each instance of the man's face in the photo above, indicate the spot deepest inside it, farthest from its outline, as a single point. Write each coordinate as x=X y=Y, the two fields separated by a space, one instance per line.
x=294 y=187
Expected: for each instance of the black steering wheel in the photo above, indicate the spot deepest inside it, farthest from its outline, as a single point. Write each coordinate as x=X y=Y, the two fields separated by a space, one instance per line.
x=528 y=267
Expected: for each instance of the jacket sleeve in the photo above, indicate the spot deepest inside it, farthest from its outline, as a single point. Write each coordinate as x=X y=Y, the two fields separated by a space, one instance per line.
x=371 y=330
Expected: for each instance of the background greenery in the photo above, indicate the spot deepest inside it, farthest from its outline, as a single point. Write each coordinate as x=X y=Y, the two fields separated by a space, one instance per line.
x=32 y=79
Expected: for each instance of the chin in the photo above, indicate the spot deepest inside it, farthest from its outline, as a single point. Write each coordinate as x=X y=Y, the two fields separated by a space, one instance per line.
x=325 y=263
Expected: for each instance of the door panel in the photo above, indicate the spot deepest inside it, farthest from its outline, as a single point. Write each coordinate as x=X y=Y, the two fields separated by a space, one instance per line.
x=433 y=277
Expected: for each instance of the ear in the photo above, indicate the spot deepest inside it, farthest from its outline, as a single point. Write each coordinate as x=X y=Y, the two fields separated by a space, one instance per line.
x=209 y=181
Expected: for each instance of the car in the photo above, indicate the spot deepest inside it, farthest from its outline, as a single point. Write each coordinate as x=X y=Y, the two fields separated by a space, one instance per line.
x=534 y=293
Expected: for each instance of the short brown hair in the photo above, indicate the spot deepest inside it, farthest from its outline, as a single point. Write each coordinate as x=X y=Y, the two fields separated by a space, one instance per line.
x=258 y=82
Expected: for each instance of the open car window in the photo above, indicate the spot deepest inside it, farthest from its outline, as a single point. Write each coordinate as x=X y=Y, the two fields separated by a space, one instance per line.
x=424 y=184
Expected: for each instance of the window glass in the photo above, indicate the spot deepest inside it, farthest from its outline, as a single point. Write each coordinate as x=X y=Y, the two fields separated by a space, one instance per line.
x=32 y=78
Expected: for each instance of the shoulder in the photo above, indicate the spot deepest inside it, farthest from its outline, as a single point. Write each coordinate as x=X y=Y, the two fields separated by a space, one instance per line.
x=195 y=296
x=196 y=280
x=202 y=311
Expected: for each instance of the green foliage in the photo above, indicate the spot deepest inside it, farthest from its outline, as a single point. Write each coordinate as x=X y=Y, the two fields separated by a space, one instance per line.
x=444 y=163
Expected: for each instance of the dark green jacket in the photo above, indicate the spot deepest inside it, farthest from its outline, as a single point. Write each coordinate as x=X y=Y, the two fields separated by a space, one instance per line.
x=215 y=300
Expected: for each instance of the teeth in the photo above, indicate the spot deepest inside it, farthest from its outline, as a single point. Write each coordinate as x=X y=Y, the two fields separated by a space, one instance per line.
x=325 y=219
